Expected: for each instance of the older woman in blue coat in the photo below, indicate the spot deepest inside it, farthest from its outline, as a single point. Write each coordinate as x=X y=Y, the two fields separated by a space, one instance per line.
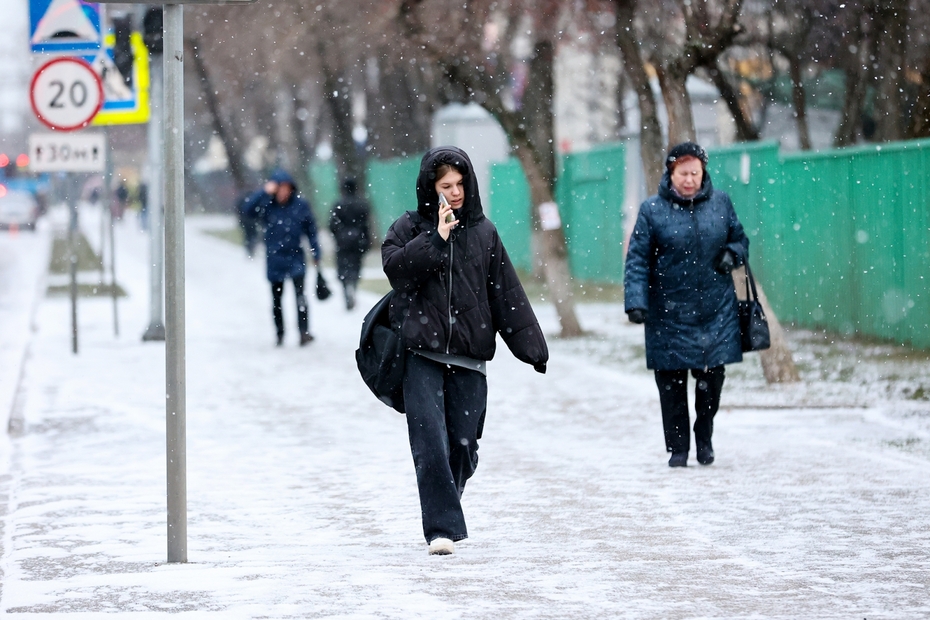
x=686 y=241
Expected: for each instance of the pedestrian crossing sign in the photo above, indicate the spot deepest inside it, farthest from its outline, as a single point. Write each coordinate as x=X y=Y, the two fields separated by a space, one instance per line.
x=64 y=26
x=123 y=104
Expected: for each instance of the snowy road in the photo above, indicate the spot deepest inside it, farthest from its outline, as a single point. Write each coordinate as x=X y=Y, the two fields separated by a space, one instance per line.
x=302 y=498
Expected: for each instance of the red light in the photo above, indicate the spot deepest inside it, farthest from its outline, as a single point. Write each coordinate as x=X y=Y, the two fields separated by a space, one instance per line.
x=4 y=160
x=22 y=160
x=2 y=191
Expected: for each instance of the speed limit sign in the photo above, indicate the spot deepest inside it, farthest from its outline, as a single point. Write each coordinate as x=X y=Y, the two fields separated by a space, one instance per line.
x=66 y=94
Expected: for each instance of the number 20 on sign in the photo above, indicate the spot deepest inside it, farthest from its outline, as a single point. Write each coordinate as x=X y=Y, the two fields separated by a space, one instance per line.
x=66 y=94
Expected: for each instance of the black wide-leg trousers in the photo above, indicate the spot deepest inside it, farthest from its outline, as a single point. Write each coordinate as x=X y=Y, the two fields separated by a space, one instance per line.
x=673 y=396
x=445 y=414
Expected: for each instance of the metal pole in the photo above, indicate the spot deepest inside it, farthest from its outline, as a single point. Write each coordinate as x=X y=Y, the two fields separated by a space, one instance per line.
x=156 y=328
x=176 y=410
x=104 y=206
x=113 y=273
x=108 y=166
x=72 y=271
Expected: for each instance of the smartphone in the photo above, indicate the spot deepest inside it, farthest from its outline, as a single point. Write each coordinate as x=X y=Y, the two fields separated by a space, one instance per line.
x=450 y=217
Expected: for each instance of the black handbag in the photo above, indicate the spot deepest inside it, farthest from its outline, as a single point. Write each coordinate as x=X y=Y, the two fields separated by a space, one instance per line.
x=322 y=289
x=753 y=326
x=380 y=355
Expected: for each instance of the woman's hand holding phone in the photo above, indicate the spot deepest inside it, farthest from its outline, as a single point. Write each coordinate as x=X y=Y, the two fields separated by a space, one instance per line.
x=447 y=219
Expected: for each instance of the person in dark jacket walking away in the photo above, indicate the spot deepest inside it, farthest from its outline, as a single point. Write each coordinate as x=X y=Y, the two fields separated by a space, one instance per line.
x=285 y=217
x=456 y=289
x=348 y=221
x=686 y=241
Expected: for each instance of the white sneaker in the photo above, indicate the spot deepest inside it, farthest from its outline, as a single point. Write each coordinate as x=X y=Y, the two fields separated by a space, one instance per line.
x=441 y=546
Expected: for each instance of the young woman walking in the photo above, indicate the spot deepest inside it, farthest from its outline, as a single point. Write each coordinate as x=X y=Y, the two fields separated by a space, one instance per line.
x=456 y=289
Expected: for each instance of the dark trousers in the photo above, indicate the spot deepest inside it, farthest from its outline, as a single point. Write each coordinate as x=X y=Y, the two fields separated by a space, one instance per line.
x=445 y=413
x=303 y=312
x=349 y=268
x=673 y=396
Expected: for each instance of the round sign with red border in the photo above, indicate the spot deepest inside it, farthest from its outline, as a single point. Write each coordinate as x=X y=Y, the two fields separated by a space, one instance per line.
x=66 y=94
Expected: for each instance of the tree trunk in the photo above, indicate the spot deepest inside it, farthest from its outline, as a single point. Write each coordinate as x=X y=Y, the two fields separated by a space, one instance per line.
x=856 y=68
x=920 y=117
x=651 y=147
x=799 y=100
x=746 y=131
x=677 y=104
x=531 y=135
x=349 y=162
x=847 y=133
x=225 y=134
x=400 y=103
x=891 y=26
x=777 y=362
x=302 y=144
x=550 y=242
x=537 y=111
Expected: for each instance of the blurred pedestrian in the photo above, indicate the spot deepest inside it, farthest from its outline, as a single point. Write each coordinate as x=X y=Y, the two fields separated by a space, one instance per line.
x=121 y=195
x=285 y=217
x=143 y=195
x=249 y=225
x=348 y=221
x=686 y=241
x=456 y=290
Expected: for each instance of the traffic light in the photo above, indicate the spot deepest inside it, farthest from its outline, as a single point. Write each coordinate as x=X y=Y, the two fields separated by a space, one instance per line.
x=122 y=47
x=152 y=28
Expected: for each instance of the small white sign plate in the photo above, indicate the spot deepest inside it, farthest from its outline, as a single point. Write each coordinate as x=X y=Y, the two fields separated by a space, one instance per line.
x=67 y=152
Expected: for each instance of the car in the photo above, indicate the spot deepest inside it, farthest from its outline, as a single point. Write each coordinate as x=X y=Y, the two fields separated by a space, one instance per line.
x=19 y=209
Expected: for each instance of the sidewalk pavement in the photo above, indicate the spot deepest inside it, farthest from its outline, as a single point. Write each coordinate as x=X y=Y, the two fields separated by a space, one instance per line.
x=301 y=492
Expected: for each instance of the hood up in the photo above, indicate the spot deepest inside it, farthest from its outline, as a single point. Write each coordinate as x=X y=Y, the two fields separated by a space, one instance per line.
x=427 y=198
x=282 y=176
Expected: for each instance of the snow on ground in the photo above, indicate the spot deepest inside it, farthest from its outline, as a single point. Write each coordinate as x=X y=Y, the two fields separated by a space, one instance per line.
x=301 y=492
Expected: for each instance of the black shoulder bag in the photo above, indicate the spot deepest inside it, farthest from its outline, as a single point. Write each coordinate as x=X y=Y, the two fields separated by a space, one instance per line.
x=753 y=326
x=380 y=355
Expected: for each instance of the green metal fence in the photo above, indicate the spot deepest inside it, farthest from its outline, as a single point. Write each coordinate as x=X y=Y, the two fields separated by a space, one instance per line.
x=392 y=189
x=324 y=189
x=510 y=200
x=844 y=235
x=590 y=195
x=589 y=192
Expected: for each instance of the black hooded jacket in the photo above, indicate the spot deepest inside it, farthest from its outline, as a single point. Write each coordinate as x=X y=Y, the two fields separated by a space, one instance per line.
x=454 y=296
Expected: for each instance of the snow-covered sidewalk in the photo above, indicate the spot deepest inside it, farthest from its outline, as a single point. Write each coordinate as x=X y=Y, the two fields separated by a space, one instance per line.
x=302 y=498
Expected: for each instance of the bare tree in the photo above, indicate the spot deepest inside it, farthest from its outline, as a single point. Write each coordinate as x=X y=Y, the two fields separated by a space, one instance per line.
x=891 y=18
x=692 y=36
x=651 y=146
x=401 y=92
x=790 y=24
x=919 y=66
x=227 y=135
x=920 y=115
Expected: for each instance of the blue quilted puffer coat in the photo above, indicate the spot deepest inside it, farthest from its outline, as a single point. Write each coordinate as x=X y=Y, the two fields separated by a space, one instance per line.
x=691 y=315
x=284 y=224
